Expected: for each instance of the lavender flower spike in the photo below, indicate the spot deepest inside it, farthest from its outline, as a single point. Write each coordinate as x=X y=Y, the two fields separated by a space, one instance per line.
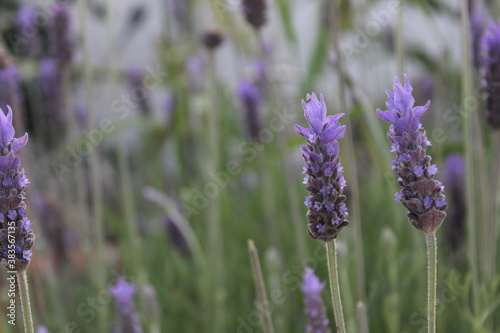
x=16 y=235
x=317 y=322
x=324 y=180
x=251 y=103
x=491 y=74
x=60 y=38
x=421 y=194
x=123 y=293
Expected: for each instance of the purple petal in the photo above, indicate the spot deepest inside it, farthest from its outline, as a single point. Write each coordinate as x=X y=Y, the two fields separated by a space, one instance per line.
x=6 y=128
x=19 y=143
x=389 y=116
x=315 y=112
x=332 y=134
x=420 y=110
x=305 y=132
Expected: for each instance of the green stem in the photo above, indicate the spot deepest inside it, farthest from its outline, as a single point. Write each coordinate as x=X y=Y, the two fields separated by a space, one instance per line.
x=352 y=177
x=24 y=296
x=431 y=280
x=260 y=286
x=400 y=41
x=469 y=157
x=215 y=234
x=334 y=286
x=95 y=174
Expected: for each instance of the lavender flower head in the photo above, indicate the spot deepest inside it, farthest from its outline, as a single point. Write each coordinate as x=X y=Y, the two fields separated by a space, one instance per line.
x=10 y=91
x=255 y=12
x=421 y=194
x=327 y=212
x=251 y=102
x=50 y=85
x=28 y=44
x=491 y=73
x=455 y=179
x=135 y=76
x=16 y=235
x=317 y=322
x=123 y=293
x=60 y=39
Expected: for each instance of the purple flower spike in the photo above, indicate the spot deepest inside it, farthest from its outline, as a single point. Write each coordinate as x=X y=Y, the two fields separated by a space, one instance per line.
x=251 y=102
x=325 y=182
x=491 y=74
x=421 y=194
x=317 y=322
x=135 y=76
x=60 y=38
x=10 y=90
x=13 y=220
x=123 y=293
x=27 y=43
x=255 y=12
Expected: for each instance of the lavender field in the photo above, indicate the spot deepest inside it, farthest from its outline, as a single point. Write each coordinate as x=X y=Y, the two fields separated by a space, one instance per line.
x=239 y=166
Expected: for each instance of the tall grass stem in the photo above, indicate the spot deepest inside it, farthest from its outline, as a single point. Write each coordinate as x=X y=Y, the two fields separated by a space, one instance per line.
x=267 y=322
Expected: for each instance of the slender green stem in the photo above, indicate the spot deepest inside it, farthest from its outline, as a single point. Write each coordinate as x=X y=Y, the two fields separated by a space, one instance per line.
x=431 y=281
x=400 y=40
x=469 y=158
x=362 y=318
x=215 y=234
x=96 y=193
x=495 y=197
x=334 y=286
x=273 y=96
x=260 y=286
x=24 y=296
x=352 y=177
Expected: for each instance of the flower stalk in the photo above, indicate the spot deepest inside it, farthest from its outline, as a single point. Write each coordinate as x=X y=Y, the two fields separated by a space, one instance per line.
x=334 y=286
x=22 y=280
x=431 y=280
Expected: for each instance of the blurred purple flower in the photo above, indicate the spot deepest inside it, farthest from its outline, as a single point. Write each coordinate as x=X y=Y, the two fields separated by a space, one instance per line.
x=28 y=41
x=12 y=207
x=477 y=26
x=50 y=84
x=317 y=321
x=123 y=293
x=327 y=213
x=60 y=39
x=454 y=175
x=421 y=194
x=135 y=76
x=255 y=12
x=10 y=92
x=42 y=329
x=195 y=68
x=176 y=238
x=251 y=104
x=169 y=104
x=491 y=74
